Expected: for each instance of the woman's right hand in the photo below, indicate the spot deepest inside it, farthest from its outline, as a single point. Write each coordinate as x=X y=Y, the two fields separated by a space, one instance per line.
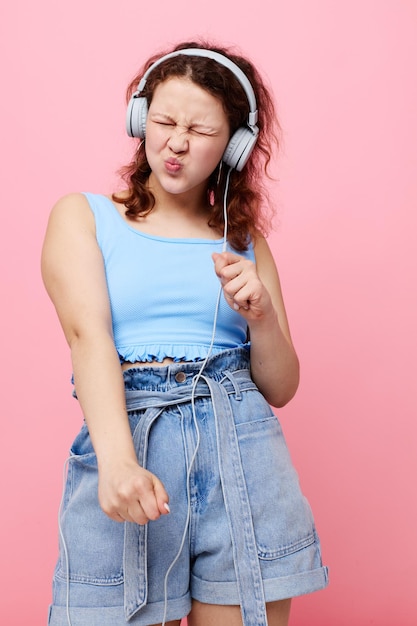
x=128 y=492
x=74 y=275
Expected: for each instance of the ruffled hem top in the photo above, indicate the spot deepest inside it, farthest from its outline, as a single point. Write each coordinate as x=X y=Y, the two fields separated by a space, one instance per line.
x=155 y=353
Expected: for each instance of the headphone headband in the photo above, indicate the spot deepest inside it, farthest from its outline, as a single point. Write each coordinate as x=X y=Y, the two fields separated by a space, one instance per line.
x=222 y=60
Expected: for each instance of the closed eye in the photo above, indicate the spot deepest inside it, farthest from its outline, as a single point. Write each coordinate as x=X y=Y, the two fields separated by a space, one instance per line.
x=203 y=132
x=194 y=130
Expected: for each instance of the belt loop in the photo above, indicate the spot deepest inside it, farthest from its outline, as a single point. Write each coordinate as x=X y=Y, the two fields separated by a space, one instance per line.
x=229 y=376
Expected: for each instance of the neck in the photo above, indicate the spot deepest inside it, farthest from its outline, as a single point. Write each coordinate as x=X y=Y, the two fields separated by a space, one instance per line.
x=179 y=215
x=192 y=202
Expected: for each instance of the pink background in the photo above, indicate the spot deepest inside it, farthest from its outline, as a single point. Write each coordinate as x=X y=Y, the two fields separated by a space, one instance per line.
x=344 y=74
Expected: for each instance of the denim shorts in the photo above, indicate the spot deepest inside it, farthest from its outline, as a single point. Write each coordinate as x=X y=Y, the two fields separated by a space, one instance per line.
x=240 y=531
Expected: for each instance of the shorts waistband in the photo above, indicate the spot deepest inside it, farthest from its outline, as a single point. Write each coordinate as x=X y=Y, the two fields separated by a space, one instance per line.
x=177 y=375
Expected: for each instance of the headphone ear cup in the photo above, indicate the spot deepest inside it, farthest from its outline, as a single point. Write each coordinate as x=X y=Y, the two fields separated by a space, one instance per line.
x=137 y=112
x=240 y=147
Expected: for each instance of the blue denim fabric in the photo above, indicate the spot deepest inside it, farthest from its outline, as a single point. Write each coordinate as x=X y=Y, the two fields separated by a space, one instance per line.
x=250 y=535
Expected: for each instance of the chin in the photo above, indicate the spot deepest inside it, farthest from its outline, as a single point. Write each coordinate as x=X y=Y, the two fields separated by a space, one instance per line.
x=177 y=187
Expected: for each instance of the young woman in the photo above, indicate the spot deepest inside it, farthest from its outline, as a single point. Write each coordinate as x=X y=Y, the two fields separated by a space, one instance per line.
x=180 y=496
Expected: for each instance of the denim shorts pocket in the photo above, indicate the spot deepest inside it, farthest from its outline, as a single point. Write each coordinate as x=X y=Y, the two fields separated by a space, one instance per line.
x=94 y=543
x=282 y=518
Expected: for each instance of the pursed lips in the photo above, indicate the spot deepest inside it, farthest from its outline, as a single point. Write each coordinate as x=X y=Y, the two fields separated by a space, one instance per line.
x=173 y=165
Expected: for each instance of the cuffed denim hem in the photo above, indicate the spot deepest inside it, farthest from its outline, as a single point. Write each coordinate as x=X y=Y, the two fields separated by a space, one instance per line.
x=226 y=593
x=115 y=615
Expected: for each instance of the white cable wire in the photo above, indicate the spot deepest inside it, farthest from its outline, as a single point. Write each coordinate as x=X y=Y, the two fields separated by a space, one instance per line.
x=195 y=381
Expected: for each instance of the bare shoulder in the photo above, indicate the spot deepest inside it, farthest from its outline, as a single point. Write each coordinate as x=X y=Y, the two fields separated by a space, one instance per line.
x=70 y=238
x=263 y=255
x=267 y=271
x=71 y=201
x=72 y=208
x=260 y=244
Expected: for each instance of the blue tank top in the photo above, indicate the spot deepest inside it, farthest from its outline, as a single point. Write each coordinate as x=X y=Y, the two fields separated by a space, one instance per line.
x=163 y=292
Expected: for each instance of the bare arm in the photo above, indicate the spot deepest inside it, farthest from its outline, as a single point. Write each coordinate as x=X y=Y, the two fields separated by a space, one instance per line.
x=73 y=273
x=256 y=290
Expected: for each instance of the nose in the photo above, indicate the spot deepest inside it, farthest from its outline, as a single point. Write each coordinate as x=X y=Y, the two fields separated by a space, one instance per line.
x=178 y=140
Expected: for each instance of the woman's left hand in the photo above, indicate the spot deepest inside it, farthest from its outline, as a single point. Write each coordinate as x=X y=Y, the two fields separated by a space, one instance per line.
x=242 y=287
x=253 y=289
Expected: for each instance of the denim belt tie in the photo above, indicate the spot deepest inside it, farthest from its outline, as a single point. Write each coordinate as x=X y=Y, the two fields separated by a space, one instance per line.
x=245 y=556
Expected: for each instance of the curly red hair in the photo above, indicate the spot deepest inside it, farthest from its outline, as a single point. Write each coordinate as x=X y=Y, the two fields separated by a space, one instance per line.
x=248 y=202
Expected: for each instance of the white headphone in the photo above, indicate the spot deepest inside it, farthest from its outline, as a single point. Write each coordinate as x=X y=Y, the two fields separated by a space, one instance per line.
x=242 y=142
